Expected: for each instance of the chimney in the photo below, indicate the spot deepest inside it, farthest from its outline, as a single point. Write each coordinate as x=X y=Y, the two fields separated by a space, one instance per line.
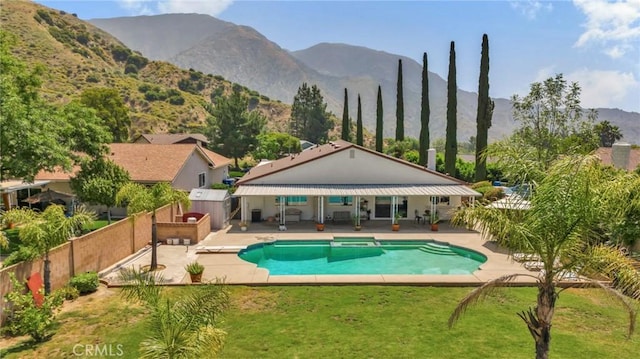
x=431 y=159
x=620 y=152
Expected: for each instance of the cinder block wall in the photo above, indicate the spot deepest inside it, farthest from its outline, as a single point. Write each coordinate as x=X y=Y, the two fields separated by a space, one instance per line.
x=94 y=251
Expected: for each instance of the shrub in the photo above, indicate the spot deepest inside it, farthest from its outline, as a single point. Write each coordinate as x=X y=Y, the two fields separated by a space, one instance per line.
x=44 y=15
x=25 y=318
x=85 y=282
x=24 y=253
x=130 y=69
x=69 y=293
x=93 y=78
x=120 y=53
x=176 y=100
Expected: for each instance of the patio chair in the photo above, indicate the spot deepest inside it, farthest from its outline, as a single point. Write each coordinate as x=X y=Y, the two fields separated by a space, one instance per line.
x=418 y=218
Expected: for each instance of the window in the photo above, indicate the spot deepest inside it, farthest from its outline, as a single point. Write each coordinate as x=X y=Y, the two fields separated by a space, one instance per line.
x=201 y=179
x=340 y=201
x=293 y=200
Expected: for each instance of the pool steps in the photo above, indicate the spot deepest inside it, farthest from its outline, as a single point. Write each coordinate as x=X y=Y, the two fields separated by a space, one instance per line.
x=437 y=249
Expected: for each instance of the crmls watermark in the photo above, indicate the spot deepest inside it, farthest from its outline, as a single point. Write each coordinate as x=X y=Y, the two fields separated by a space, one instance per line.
x=98 y=350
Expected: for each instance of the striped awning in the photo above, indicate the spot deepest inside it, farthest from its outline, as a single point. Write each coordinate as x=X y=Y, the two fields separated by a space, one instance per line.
x=356 y=190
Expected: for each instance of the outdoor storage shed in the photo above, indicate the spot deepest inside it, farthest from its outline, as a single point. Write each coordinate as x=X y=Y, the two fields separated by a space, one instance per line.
x=216 y=202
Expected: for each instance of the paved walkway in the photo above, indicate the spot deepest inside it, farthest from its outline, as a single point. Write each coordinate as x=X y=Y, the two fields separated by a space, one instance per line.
x=222 y=260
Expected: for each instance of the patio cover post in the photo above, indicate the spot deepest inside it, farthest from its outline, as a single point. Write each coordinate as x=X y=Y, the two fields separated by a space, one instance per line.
x=282 y=210
x=394 y=208
x=320 y=209
x=357 y=210
x=433 y=208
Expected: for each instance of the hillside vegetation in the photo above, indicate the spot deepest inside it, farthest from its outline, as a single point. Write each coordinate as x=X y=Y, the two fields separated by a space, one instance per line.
x=77 y=56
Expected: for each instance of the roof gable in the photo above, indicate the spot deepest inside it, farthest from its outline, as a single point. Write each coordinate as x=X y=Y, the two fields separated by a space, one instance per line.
x=342 y=162
x=172 y=138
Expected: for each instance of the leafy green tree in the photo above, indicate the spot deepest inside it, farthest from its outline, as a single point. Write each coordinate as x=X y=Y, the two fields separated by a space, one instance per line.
x=379 y=122
x=232 y=129
x=552 y=124
x=82 y=132
x=274 y=145
x=399 y=105
x=559 y=228
x=484 y=112
x=425 y=113
x=98 y=182
x=608 y=133
x=309 y=117
x=111 y=109
x=346 y=123
x=359 y=130
x=398 y=149
x=46 y=137
x=451 y=145
x=180 y=328
x=139 y=198
x=47 y=229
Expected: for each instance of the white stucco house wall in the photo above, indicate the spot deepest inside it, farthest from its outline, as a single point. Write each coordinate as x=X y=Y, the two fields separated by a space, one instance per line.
x=327 y=181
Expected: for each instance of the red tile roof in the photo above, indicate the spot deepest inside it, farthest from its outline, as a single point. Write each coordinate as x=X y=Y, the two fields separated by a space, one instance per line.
x=148 y=162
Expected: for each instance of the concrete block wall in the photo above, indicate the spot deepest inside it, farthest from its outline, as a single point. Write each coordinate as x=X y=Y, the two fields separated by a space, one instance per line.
x=94 y=251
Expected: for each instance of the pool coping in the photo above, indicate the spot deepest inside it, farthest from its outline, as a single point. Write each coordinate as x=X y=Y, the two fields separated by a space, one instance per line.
x=223 y=263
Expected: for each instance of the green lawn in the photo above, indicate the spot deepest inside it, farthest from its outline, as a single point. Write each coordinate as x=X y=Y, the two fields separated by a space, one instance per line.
x=97 y=224
x=365 y=322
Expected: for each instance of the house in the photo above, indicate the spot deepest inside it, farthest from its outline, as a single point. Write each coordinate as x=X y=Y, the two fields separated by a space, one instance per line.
x=13 y=192
x=172 y=139
x=620 y=155
x=340 y=180
x=184 y=166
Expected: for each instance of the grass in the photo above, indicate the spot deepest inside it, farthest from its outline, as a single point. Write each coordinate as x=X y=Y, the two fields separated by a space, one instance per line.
x=363 y=322
x=97 y=224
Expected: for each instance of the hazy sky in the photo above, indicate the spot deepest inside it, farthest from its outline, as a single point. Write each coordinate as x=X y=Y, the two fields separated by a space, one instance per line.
x=595 y=42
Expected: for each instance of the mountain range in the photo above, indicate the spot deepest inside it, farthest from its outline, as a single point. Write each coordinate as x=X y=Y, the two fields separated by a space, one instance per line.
x=243 y=55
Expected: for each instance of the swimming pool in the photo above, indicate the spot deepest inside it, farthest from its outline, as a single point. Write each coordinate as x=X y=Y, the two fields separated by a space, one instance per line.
x=362 y=256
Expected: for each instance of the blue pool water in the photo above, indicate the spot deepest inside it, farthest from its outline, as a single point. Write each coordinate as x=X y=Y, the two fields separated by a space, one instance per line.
x=362 y=256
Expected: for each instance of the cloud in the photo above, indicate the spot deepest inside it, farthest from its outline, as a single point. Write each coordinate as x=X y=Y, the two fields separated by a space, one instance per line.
x=530 y=8
x=604 y=88
x=146 y=7
x=613 y=25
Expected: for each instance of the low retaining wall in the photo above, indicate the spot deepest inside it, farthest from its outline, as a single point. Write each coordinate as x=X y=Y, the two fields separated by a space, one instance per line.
x=195 y=232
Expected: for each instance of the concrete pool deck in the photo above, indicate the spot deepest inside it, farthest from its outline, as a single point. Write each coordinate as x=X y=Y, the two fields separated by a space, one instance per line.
x=222 y=262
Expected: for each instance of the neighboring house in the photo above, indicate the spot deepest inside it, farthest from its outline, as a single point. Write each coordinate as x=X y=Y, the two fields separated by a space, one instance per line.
x=621 y=155
x=173 y=138
x=15 y=191
x=184 y=166
x=341 y=179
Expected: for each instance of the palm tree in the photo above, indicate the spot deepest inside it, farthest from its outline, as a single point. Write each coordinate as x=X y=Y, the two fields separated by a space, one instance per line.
x=139 y=198
x=47 y=229
x=184 y=328
x=561 y=228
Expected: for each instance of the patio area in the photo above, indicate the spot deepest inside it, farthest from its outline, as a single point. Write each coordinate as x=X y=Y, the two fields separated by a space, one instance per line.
x=218 y=253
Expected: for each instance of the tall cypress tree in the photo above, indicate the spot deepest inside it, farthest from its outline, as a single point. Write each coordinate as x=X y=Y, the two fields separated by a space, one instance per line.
x=359 y=134
x=425 y=112
x=379 y=122
x=485 y=112
x=346 y=126
x=399 y=106
x=451 y=145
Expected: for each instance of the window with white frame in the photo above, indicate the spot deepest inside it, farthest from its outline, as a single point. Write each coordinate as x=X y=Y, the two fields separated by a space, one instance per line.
x=340 y=200
x=293 y=200
x=202 y=179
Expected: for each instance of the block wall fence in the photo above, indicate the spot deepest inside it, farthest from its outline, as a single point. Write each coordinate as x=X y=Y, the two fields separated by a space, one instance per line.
x=102 y=248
